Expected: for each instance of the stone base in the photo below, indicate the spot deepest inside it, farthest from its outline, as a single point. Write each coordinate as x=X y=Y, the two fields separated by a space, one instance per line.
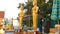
x=53 y=30
x=26 y=32
x=33 y=33
x=51 y=33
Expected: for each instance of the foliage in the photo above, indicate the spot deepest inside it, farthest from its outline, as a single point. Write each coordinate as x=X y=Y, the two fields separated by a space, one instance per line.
x=44 y=10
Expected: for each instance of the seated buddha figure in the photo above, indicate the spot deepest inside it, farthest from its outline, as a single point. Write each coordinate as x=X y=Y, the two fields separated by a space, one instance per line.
x=1 y=27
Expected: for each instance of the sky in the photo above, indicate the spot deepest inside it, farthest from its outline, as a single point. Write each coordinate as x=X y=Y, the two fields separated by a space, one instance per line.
x=10 y=7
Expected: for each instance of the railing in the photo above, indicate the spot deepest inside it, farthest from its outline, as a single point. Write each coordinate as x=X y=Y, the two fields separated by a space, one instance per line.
x=41 y=16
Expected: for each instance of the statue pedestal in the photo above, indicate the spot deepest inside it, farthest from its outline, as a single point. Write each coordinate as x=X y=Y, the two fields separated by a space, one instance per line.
x=54 y=30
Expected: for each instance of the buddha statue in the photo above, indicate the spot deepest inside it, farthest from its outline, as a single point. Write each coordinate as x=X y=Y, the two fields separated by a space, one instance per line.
x=21 y=15
x=1 y=27
x=35 y=15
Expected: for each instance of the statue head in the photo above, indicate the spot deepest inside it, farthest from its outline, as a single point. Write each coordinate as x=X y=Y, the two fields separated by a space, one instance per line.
x=34 y=2
x=22 y=7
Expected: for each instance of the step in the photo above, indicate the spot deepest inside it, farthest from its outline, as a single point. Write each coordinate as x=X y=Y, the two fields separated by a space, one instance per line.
x=34 y=33
x=21 y=32
x=51 y=33
x=54 y=30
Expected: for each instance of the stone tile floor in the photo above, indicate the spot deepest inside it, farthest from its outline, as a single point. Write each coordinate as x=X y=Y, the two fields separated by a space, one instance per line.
x=9 y=33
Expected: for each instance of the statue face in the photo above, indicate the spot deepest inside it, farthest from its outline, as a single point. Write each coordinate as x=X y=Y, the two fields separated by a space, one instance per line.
x=34 y=2
x=22 y=8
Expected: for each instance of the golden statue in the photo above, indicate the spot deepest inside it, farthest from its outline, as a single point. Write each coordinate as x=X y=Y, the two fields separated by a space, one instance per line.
x=2 y=26
x=21 y=15
x=34 y=13
x=11 y=24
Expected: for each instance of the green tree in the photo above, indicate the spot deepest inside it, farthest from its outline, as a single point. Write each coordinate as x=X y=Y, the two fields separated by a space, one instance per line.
x=44 y=9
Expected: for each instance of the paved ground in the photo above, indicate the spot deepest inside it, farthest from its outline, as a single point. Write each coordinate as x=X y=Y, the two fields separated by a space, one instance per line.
x=13 y=33
x=17 y=28
x=9 y=33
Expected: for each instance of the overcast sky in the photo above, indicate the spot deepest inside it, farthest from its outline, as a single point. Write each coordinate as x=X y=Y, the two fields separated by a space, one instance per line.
x=10 y=7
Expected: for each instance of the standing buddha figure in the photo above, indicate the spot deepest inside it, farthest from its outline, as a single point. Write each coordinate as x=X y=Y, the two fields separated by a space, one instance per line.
x=21 y=15
x=35 y=15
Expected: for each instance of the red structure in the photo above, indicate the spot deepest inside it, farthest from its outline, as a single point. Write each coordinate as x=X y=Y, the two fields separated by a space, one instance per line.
x=2 y=14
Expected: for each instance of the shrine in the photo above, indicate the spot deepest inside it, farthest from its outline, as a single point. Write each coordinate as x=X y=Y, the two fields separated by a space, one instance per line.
x=34 y=17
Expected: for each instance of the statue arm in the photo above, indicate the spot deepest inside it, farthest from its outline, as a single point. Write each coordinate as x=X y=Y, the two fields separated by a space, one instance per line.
x=23 y=14
x=32 y=10
x=37 y=9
